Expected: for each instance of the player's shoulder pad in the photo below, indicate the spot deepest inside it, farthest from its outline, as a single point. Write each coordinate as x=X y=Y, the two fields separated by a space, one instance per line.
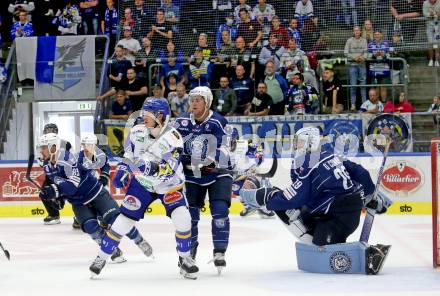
x=218 y=121
x=173 y=137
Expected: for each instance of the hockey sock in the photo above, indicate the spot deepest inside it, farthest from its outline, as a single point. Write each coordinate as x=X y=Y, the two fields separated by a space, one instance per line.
x=110 y=242
x=183 y=241
x=195 y=217
x=134 y=235
x=92 y=228
x=182 y=222
x=220 y=225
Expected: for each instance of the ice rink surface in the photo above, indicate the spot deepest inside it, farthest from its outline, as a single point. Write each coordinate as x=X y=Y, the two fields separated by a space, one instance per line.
x=54 y=260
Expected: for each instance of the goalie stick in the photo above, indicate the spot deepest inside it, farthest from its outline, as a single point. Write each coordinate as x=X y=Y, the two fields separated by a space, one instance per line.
x=7 y=254
x=369 y=215
x=28 y=172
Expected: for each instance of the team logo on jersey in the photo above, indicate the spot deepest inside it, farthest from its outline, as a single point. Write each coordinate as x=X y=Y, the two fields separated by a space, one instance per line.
x=340 y=262
x=402 y=177
x=207 y=127
x=184 y=122
x=172 y=197
x=131 y=203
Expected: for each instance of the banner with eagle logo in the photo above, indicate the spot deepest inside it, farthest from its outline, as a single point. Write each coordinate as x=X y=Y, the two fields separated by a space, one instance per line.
x=62 y=67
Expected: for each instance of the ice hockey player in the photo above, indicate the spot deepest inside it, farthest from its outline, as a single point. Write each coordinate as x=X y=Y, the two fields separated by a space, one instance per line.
x=152 y=170
x=75 y=179
x=246 y=157
x=322 y=207
x=206 y=159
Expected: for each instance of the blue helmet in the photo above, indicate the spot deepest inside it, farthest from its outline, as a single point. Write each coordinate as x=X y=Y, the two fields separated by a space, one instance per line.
x=156 y=106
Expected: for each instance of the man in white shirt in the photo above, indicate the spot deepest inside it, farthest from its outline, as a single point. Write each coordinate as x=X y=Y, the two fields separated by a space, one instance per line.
x=372 y=105
x=131 y=45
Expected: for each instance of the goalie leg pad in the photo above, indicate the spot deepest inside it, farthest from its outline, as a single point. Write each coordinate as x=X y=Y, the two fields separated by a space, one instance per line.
x=337 y=258
x=292 y=220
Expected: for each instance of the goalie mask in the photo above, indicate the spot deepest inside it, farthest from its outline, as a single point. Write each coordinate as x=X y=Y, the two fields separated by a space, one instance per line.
x=156 y=113
x=49 y=146
x=307 y=139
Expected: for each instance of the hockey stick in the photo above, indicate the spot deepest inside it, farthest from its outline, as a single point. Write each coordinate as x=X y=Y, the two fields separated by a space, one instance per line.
x=7 y=254
x=369 y=215
x=28 y=172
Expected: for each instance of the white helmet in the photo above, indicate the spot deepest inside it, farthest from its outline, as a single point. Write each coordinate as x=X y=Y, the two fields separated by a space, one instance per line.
x=89 y=138
x=49 y=140
x=307 y=139
x=204 y=92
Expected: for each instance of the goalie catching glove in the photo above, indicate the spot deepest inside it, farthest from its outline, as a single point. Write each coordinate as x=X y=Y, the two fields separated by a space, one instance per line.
x=380 y=204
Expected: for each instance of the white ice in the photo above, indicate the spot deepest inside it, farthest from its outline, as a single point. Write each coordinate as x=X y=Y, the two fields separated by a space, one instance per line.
x=54 y=260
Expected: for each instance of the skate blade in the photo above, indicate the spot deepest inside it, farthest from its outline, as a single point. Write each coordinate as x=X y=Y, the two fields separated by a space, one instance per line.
x=189 y=276
x=383 y=260
x=219 y=270
x=52 y=222
x=93 y=276
x=118 y=260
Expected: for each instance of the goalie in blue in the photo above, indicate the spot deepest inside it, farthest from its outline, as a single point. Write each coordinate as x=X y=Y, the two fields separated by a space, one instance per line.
x=322 y=207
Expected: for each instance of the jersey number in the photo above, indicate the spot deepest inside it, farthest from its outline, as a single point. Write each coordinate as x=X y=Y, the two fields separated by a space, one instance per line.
x=341 y=172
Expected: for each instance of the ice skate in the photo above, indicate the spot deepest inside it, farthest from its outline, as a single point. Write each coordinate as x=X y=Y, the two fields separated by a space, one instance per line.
x=247 y=212
x=96 y=267
x=75 y=224
x=145 y=248
x=376 y=256
x=266 y=214
x=118 y=256
x=52 y=220
x=219 y=261
x=188 y=267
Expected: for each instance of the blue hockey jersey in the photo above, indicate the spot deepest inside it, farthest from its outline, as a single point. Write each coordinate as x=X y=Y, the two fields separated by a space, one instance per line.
x=317 y=180
x=204 y=142
x=74 y=179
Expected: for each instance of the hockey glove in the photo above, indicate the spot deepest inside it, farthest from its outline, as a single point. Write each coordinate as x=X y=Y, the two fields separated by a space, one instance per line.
x=256 y=198
x=104 y=178
x=49 y=192
x=380 y=204
x=122 y=176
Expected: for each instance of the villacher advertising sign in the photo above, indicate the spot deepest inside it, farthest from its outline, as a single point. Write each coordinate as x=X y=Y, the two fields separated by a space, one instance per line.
x=402 y=177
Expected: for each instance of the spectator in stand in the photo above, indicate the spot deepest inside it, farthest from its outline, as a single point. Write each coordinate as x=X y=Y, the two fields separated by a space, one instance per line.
x=89 y=13
x=179 y=101
x=141 y=18
x=128 y=20
x=356 y=50
x=301 y=98
x=280 y=32
x=290 y=58
x=172 y=67
x=118 y=67
x=333 y=93
x=221 y=9
x=161 y=32
x=249 y=29
x=404 y=11
x=225 y=100
x=17 y=6
x=121 y=107
x=304 y=11
x=109 y=23
x=271 y=52
x=435 y=109
x=230 y=28
x=372 y=105
x=367 y=31
x=157 y=91
x=310 y=35
x=242 y=5
x=263 y=11
x=243 y=87
x=131 y=45
x=207 y=51
x=350 y=13
x=379 y=69
x=22 y=28
x=261 y=102
x=200 y=70
x=170 y=84
x=242 y=55
x=403 y=106
x=431 y=11
x=171 y=49
x=294 y=32
x=134 y=88
x=227 y=48
x=277 y=88
x=69 y=20
x=172 y=14
x=145 y=59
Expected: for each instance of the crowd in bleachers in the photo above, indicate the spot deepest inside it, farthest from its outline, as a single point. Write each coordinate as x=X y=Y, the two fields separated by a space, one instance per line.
x=260 y=57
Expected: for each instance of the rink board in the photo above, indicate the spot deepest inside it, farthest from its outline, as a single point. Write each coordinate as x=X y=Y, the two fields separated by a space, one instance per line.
x=406 y=181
